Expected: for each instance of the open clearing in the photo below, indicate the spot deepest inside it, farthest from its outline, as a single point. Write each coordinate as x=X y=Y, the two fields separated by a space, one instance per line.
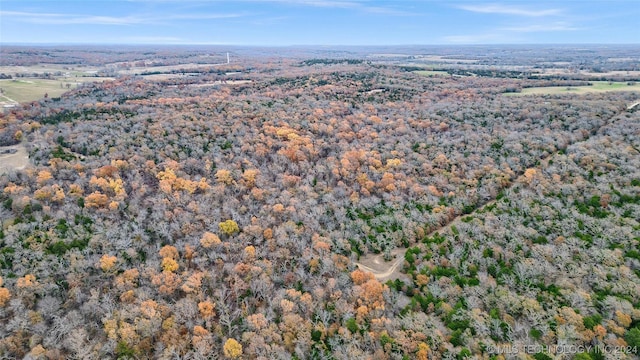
x=16 y=161
x=564 y=71
x=222 y=82
x=598 y=86
x=431 y=73
x=167 y=68
x=381 y=269
x=33 y=71
x=30 y=89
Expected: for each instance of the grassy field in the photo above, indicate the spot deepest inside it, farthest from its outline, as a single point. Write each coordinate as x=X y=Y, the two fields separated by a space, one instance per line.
x=30 y=89
x=598 y=86
x=167 y=68
x=49 y=68
x=431 y=73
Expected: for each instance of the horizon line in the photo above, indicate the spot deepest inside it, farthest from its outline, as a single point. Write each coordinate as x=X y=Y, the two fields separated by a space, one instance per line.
x=43 y=44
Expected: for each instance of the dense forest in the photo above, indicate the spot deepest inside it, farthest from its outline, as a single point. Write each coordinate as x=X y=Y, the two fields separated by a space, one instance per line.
x=225 y=214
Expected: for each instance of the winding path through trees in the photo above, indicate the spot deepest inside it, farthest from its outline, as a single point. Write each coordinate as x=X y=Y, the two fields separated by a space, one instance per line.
x=391 y=270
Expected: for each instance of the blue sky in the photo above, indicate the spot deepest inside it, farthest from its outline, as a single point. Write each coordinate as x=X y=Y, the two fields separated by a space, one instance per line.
x=319 y=22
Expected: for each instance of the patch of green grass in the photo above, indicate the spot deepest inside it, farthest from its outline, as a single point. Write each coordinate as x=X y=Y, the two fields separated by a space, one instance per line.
x=597 y=86
x=431 y=73
x=613 y=85
x=31 y=89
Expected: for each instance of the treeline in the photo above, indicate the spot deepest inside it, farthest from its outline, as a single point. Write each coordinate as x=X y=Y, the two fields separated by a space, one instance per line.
x=331 y=61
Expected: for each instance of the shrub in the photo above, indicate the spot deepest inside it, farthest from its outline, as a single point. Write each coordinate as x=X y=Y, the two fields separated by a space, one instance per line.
x=232 y=349
x=351 y=325
x=632 y=337
x=591 y=321
x=229 y=227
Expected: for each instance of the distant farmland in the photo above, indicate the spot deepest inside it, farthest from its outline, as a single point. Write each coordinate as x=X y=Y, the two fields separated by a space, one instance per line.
x=598 y=86
x=431 y=73
x=30 y=89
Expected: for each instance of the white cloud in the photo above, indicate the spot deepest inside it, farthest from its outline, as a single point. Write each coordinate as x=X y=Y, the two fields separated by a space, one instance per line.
x=337 y=4
x=559 y=26
x=71 y=19
x=388 y=11
x=509 y=10
x=318 y=3
x=270 y=20
x=200 y=16
x=65 y=19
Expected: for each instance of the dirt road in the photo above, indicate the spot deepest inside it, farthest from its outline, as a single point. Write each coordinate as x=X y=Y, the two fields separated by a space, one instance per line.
x=391 y=270
x=381 y=269
x=16 y=161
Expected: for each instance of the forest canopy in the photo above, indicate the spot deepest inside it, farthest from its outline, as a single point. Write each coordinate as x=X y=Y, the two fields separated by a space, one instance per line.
x=235 y=214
